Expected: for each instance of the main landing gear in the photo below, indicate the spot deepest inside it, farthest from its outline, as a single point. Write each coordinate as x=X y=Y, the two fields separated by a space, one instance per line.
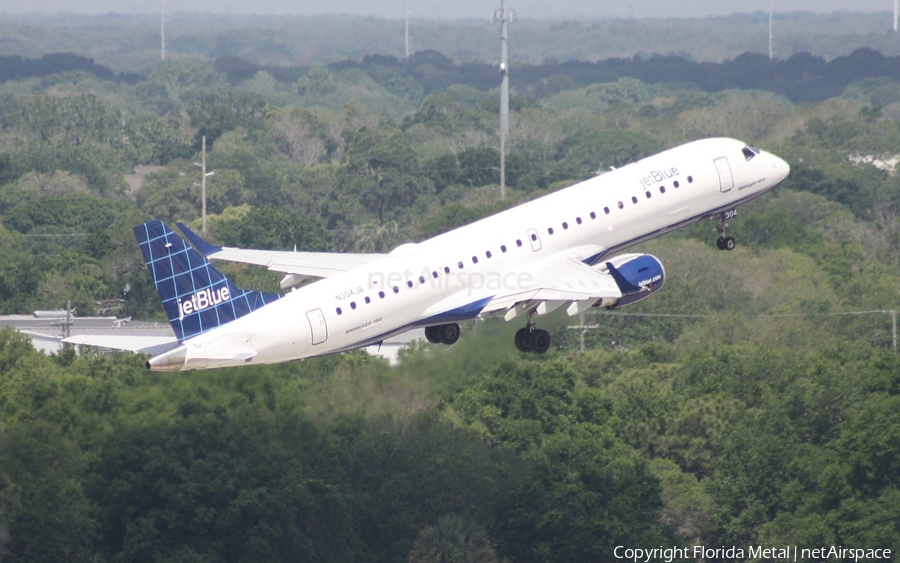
x=532 y=339
x=723 y=242
x=442 y=334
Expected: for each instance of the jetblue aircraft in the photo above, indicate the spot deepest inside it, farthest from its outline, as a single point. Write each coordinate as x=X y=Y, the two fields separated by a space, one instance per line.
x=556 y=251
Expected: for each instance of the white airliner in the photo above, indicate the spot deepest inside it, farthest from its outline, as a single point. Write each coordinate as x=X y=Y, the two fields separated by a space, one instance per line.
x=556 y=251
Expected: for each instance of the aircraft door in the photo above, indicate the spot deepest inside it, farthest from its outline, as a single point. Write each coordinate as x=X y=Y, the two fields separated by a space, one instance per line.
x=726 y=179
x=317 y=326
x=534 y=239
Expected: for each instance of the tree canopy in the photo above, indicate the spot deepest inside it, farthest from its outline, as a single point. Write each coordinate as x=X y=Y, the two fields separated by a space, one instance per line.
x=752 y=401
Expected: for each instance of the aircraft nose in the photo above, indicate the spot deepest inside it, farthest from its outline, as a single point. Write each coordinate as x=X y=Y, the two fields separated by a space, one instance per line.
x=782 y=168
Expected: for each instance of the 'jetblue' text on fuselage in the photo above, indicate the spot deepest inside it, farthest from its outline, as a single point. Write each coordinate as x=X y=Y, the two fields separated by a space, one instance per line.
x=657 y=176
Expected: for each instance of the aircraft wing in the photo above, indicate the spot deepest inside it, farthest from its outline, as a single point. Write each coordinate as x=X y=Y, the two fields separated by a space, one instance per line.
x=553 y=282
x=300 y=264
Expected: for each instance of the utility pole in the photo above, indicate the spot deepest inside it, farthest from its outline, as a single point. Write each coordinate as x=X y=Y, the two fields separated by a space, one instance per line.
x=893 y=330
x=202 y=186
x=162 y=28
x=67 y=327
x=583 y=328
x=505 y=17
x=407 y=30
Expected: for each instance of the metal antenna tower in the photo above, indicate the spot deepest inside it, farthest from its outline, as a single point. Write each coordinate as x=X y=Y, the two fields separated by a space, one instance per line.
x=505 y=17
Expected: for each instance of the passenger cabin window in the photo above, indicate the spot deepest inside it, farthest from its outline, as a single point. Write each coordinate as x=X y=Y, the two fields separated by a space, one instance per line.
x=368 y=300
x=381 y=294
x=675 y=183
x=518 y=243
x=353 y=304
x=488 y=253
x=578 y=220
x=565 y=226
x=593 y=215
x=338 y=311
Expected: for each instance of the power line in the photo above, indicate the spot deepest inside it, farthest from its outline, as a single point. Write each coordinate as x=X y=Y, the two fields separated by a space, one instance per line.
x=892 y=312
x=751 y=315
x=58 y=235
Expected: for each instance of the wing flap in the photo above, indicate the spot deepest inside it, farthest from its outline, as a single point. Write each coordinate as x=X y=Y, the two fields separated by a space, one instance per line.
x=556 y=281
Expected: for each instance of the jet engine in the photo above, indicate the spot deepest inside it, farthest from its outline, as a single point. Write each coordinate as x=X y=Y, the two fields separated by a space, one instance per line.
x=638 y=276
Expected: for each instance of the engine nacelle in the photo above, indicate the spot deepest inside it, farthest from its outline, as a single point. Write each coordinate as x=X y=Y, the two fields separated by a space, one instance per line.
x=638 y=276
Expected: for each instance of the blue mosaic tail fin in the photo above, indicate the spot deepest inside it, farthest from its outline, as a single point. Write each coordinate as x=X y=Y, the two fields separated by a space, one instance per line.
x=196 y=296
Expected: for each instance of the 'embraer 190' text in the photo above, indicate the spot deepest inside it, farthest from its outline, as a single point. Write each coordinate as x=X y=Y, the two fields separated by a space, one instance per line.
x=203 y=299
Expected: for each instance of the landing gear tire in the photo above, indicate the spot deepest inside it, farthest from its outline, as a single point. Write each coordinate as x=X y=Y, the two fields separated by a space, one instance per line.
x=539 y=341
x=432 y=334
x=522 y=340
x=448 y=334
x=723 y=242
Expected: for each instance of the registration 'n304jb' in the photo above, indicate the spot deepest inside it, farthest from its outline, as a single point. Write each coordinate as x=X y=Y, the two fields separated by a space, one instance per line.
x=560 y=250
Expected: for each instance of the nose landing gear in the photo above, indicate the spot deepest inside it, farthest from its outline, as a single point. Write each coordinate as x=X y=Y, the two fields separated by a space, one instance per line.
x=723 y=242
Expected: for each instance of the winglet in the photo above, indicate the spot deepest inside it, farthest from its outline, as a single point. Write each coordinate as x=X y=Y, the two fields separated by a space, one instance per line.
x=201 y=245
x=625 y=286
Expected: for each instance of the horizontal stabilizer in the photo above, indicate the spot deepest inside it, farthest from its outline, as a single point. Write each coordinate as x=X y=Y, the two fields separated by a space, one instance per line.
x=140 y=344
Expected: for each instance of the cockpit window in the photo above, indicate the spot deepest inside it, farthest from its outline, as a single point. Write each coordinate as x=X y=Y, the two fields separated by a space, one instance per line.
x=749 y=152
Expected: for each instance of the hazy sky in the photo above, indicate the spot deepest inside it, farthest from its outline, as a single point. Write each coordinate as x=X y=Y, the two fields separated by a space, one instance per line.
x=445 y=9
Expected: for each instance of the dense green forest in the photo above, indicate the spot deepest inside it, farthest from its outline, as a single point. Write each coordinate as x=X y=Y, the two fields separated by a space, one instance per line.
x=755 y=400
